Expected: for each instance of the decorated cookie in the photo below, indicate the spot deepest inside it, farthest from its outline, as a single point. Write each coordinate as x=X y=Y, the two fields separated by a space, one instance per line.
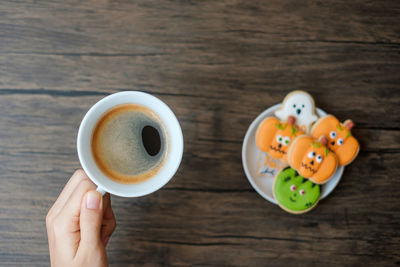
x=294 y=193
x=274 y=136
x=340 y=140
x=299 y=104
x=312 y=159
x=268 y=166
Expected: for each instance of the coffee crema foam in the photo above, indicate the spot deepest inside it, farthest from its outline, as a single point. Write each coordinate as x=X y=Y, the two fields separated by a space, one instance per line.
x=118 y=148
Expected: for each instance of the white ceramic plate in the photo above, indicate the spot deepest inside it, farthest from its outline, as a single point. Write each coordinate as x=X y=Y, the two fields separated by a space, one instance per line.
x=262 y=183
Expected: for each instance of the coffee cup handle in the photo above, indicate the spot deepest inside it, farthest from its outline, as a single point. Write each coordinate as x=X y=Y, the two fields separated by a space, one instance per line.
x=100 y=190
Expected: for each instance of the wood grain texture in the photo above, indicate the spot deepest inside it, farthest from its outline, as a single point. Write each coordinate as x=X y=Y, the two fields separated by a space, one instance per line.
x=217 y=65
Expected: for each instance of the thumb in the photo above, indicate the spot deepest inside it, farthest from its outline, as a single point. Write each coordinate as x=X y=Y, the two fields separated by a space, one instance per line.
x=91 y=218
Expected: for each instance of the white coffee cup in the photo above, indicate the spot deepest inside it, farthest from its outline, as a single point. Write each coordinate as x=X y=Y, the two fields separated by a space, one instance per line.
x=173 y=156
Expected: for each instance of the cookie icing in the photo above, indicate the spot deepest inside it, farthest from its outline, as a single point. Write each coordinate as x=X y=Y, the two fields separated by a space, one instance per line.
x=312 y=159
x=268 y=166
x=299 y=104
x=340 y=139
x=275 y=137
x=294 y=193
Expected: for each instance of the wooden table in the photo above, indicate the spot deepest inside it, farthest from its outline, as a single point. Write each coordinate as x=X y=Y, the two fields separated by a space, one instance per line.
x=218 y=64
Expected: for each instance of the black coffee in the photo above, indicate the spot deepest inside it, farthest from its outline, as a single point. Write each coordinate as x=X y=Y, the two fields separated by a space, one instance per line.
x=129 y=143
x=151 y=140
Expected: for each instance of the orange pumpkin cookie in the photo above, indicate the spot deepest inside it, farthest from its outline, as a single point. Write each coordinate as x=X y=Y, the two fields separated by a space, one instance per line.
x=340 y=140
x=274 y=136
x=312 y=159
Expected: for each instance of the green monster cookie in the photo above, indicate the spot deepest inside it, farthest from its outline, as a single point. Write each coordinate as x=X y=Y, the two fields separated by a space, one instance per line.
x=294 y=193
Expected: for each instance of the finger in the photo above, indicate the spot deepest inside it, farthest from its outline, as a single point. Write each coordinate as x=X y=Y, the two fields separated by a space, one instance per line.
x=109 y=222
x=107 y=229
x=108 y=212
x=75 y=179
x=91 y=219
x=65 y=225
x=78 y=176
x=69 y=215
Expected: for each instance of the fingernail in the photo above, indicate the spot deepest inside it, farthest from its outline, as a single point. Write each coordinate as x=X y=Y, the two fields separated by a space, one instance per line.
x=93 y=200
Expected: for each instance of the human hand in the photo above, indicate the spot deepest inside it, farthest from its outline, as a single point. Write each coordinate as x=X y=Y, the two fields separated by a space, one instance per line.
x=79 y=224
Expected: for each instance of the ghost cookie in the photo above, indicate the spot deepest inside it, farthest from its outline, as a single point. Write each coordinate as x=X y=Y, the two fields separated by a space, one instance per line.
x=299 y=104
x=312 y=159
x=274 y=136
x=294 y=193
x=340 y=140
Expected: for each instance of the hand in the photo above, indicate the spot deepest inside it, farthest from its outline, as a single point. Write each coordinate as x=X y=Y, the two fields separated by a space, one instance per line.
x=80 y=224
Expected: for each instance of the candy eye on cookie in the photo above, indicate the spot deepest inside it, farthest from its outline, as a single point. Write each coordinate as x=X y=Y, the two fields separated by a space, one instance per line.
x=319 y=158
x=293 y=187
x=340 y=142
x=279 y=138
x=311 y=155
x=302 y=192
x=286 y=141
